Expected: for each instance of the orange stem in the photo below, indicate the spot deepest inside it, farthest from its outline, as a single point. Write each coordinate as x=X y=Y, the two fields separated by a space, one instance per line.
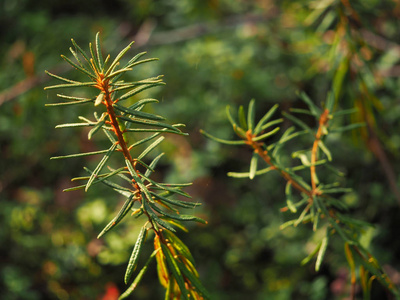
x=103 y=85
x=264 y=155
x=323 y=120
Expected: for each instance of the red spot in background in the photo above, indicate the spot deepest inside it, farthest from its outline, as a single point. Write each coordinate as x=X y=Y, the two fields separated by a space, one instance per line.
x=112 y=292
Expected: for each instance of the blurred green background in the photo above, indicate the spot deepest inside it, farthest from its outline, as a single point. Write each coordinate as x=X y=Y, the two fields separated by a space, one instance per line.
x=212 y=53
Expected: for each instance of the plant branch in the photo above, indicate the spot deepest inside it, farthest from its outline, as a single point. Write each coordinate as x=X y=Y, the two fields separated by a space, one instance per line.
x=314 y=152
x=258 y=149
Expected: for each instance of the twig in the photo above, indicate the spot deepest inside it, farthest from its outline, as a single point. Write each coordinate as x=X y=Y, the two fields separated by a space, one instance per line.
x=322 y=122
x=28 y=84
x=258 y=148
x=201 y=29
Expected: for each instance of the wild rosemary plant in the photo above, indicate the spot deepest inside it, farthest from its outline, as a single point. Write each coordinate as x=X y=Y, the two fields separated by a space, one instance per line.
x=352 y=56
x=156 y=201
x=307 y=197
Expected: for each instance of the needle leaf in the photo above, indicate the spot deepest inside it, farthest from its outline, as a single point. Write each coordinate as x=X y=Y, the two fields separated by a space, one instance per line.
x=132 y=264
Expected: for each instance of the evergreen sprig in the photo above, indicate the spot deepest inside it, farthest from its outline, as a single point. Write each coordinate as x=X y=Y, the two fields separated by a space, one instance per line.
x=157 y=201
x=307 y=197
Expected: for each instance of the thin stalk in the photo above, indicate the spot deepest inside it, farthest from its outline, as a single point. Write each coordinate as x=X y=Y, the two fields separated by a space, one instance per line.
x=103 y=85
x=257 y=146
x=323 y=120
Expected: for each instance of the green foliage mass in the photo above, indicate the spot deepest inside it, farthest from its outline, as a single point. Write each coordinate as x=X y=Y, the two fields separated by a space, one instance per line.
x=212 y=54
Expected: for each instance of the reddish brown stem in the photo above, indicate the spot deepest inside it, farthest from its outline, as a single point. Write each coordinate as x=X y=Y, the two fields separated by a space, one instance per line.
x=114 y=124
x=103 y=85
x=323 y=120
x=264 y=155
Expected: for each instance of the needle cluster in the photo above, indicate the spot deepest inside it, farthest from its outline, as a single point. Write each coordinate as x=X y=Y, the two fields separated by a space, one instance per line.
x=158 y=203
x=308 y=197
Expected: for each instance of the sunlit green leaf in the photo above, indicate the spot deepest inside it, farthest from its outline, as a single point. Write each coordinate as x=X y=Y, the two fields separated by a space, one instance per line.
x=289 y=197
x=81 y=51
x=134 y=64
x=173 y=267
x=91 y=75
x=96 y=128
x=100 y=166
x=175 y=223
x=133 y=260
x=194 y=280
x=321 y=253
x=184 y=204
x=61 y=78
x=265 y=118
x=136 y=113
x=242 y=117
x=253 y=166
x=118 y=58
x=311 y=255
x=78 y=59
x=160 y=130
x=143 y=189
x=135 y=58
x=151 y=147
x=94 y=61
x=153 y=164
x=269 y=124
x=336 y=190
x=167 y=187
x=138 y=278
x=80 y=154
x=265 y=135
x=99 y=99
x=247 y=174
x=179 y=245
x=251 y=115
x=139 y=89
x=179 y=217
x=324 y=149
x=70 y=85
x=293 y=222
x=315 y=110
x=306 y=166
x=302 y=217
x=121 y=214
x=145 y=140
x=219 y=140
x=98 y=53
x=118 y=72
x=69 y=103
x=122 y=85
x=153 y=216
x=149 y=123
